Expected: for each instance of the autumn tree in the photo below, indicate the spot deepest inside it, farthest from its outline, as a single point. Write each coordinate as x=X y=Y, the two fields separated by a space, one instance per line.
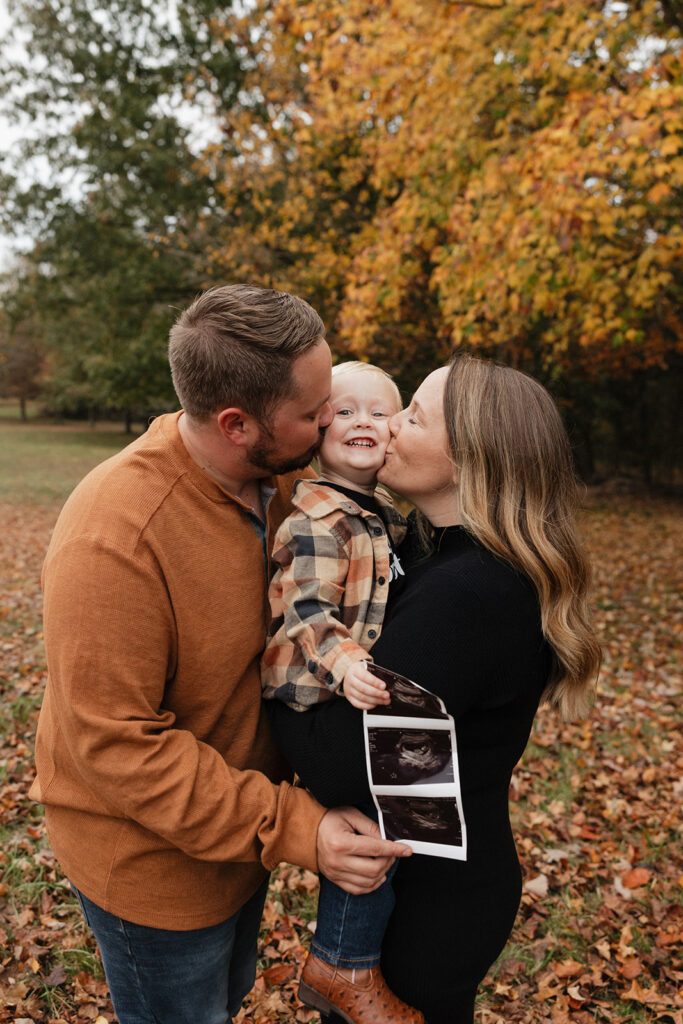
x=21 y=362
x=499 y=176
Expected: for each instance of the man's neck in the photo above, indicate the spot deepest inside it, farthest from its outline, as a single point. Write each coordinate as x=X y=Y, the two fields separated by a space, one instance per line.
x=207 y=450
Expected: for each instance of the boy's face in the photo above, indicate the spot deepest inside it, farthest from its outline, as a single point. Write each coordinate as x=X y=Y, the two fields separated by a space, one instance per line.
x=355 y=441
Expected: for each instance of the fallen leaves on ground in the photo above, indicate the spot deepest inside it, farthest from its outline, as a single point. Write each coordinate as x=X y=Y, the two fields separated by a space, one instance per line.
x=595 y=810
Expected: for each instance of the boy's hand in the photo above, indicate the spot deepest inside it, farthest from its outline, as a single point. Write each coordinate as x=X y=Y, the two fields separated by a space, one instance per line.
x=362 y=689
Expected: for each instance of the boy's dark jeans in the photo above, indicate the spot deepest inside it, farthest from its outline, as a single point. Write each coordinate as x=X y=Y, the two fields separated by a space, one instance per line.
x=350 y=929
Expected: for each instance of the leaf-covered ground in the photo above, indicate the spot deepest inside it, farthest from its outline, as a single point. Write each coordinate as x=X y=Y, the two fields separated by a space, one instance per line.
x=595 y=809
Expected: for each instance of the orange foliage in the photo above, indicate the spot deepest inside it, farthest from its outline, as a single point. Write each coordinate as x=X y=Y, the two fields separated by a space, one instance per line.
x=505 y=176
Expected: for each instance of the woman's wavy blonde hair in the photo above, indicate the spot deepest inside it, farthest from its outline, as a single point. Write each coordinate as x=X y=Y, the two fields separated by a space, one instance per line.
x=518 y=493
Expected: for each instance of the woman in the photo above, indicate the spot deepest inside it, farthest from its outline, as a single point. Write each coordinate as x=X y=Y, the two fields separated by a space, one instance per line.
x=493 y=620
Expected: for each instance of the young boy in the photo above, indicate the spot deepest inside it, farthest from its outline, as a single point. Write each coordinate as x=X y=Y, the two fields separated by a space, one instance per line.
x=337 y=562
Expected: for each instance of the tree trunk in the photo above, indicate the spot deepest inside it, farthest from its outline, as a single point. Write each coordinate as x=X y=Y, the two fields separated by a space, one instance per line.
x=22 y=409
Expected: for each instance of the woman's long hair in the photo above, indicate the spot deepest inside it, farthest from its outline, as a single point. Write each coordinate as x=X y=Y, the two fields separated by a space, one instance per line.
x=518 y=493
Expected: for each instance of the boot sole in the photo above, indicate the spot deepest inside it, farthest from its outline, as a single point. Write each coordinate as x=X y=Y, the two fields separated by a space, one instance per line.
x=319 y=1002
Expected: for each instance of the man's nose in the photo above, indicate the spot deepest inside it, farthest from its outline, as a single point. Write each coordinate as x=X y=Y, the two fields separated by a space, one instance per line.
x=394 y=424
x=326 y=416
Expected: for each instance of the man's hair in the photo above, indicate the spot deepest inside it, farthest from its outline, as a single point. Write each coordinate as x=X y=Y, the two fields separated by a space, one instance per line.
x=357 y=366
x=236 y=345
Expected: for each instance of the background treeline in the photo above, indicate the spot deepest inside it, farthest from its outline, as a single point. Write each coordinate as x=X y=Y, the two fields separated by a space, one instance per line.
x=505 y=177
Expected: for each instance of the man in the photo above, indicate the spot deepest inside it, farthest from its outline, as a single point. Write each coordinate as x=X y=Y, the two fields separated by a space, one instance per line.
x=166 y=802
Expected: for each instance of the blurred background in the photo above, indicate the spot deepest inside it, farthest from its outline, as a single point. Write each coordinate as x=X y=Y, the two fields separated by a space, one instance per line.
x=504 y=177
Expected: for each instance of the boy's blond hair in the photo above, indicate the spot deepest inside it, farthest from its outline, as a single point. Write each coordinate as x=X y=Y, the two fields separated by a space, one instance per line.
x=357 y=366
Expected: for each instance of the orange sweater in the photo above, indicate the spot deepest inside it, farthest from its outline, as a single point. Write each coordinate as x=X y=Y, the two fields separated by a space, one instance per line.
x=163 y=789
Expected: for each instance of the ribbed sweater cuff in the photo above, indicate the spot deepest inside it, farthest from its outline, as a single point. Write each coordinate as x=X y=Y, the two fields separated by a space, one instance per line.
x=298 y=841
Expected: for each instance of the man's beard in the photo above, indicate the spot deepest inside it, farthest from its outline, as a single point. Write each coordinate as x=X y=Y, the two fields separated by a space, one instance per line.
x=263 y=455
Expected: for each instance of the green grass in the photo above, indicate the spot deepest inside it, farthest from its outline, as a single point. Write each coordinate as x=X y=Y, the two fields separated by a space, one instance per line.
x=41 y=463
x=9 y=410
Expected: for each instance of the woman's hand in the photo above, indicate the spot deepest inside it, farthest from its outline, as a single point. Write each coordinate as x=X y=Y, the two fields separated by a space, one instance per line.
x=362 y=689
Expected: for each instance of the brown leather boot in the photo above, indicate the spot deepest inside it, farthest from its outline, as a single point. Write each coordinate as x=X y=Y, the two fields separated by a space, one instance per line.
x=357 y=995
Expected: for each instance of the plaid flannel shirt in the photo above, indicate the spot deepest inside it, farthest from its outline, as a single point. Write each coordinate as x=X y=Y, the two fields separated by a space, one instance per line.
x=328 y=594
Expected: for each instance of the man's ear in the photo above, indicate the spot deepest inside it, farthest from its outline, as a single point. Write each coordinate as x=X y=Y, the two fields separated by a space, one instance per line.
x=237 y=426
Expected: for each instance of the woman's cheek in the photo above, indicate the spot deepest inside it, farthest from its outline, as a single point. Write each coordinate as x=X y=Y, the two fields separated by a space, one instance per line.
x=394 y=475
x=384 y=474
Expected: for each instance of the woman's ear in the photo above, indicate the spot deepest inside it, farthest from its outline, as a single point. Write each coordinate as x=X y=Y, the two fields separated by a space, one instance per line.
x=237 y=426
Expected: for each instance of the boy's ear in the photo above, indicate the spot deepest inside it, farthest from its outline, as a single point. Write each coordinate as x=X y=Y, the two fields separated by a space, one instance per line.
x=237 y=426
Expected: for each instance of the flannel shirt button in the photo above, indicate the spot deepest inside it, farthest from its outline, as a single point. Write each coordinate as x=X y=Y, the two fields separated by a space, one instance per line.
x=372 y=633
x=329 y=679
x=312 y=667
x=381 y=581
x=377 y=530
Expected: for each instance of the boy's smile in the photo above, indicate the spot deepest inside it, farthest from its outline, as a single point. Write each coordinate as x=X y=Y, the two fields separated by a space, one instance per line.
x=355 y=441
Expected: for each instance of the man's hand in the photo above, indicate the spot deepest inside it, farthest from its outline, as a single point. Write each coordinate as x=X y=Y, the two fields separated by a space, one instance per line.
x=352 y=853
x=362 y=689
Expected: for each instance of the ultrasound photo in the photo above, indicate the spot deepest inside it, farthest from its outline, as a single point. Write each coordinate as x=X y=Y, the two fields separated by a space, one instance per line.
x=401 y=757
x=407 y=699
x=421 y=819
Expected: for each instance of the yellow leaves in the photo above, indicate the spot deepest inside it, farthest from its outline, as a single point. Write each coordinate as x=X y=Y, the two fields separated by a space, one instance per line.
x=671 y=145
x=672 y=121
x=447 y=169
x=642 y=105
x=658 y=192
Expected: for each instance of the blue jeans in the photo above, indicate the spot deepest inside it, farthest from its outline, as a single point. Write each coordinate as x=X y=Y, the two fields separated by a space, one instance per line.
x=157 y=976
x=350 y=929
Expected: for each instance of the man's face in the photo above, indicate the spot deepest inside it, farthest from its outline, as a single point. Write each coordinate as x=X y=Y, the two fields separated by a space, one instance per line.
x=292 y=436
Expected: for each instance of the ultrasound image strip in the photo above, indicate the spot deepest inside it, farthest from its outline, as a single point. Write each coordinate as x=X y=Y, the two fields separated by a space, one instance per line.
x=425 y=819
x=408 y=700
x=402 y=757
x=412 y=766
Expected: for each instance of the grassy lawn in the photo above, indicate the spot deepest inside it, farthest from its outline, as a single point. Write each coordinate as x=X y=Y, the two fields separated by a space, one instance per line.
x=593 y=804
x=40 y=463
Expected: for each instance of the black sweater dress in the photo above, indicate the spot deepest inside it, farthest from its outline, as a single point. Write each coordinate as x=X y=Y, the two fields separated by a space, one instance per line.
x=466 y=626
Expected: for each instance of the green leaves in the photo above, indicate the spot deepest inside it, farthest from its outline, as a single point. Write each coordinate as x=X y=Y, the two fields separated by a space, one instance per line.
x=116 y=228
